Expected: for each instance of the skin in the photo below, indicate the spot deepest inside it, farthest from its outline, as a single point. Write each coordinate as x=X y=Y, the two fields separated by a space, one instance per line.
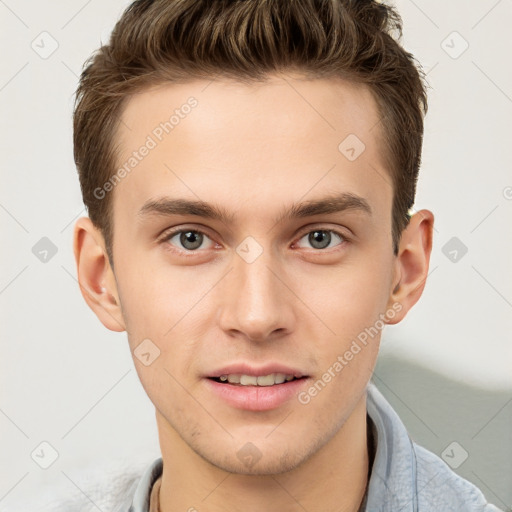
x=253 y=150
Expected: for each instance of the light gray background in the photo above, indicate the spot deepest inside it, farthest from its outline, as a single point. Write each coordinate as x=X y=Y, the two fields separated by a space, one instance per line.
x=70 y=382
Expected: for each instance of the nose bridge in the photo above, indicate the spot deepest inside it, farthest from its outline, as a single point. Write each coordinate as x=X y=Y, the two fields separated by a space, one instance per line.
x=256 y=303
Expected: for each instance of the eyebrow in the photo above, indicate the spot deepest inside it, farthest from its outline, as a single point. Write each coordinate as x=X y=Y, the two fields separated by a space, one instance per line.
x=167 y=206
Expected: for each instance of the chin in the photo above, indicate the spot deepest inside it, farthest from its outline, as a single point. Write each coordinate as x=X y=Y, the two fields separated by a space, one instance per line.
x=258 y=456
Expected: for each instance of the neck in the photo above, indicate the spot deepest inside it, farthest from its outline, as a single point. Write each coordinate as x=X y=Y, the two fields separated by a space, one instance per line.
x=333 y=478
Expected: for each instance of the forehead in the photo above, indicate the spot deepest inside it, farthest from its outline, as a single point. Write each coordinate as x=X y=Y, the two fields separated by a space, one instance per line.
x=251 y=144
x=326 y=106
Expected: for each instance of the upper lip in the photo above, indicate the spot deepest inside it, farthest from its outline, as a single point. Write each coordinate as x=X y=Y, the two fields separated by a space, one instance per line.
x=248 y=369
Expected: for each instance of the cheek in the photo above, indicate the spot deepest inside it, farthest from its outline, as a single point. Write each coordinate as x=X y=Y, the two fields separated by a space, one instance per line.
x=165 y=316
x=350 y=306
x=348 y=351
x=155 y=299
x=350 y=297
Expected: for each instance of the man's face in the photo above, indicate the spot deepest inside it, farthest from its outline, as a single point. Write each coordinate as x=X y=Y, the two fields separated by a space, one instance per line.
x=258 y=287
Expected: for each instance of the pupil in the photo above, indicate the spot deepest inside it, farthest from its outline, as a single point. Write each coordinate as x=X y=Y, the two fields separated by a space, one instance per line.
x=320 y=239
x=191 y=239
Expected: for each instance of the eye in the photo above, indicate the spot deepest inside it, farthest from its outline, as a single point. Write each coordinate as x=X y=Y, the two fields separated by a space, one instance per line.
x=323 y=238
x=188 y=240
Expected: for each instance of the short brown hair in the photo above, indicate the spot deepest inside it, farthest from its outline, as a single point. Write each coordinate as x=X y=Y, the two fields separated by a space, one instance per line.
x=159 y=41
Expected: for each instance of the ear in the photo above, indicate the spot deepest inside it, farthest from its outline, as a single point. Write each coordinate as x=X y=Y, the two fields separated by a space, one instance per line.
x=95 y=275
x=411 y=264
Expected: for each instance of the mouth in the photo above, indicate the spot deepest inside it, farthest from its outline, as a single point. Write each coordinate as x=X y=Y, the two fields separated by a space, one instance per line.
x=257 y=392
x=243 y=385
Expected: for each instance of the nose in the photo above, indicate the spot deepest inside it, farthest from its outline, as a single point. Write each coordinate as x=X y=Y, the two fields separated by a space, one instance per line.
x=256 y=302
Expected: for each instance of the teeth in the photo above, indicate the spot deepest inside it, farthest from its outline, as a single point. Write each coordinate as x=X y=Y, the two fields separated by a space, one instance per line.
x=267 y=380
x=252 y=380
x=281 y=377
x=247 y=380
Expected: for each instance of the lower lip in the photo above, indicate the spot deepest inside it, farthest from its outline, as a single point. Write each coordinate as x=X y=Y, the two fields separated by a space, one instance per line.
x=257 y=398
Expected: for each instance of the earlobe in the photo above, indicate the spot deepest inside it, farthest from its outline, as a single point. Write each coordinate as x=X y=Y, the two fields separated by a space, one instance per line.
x=412 y=263
x=95 y=275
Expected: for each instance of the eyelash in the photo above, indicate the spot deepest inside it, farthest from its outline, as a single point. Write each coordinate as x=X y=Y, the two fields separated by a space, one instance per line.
x=166 y=236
